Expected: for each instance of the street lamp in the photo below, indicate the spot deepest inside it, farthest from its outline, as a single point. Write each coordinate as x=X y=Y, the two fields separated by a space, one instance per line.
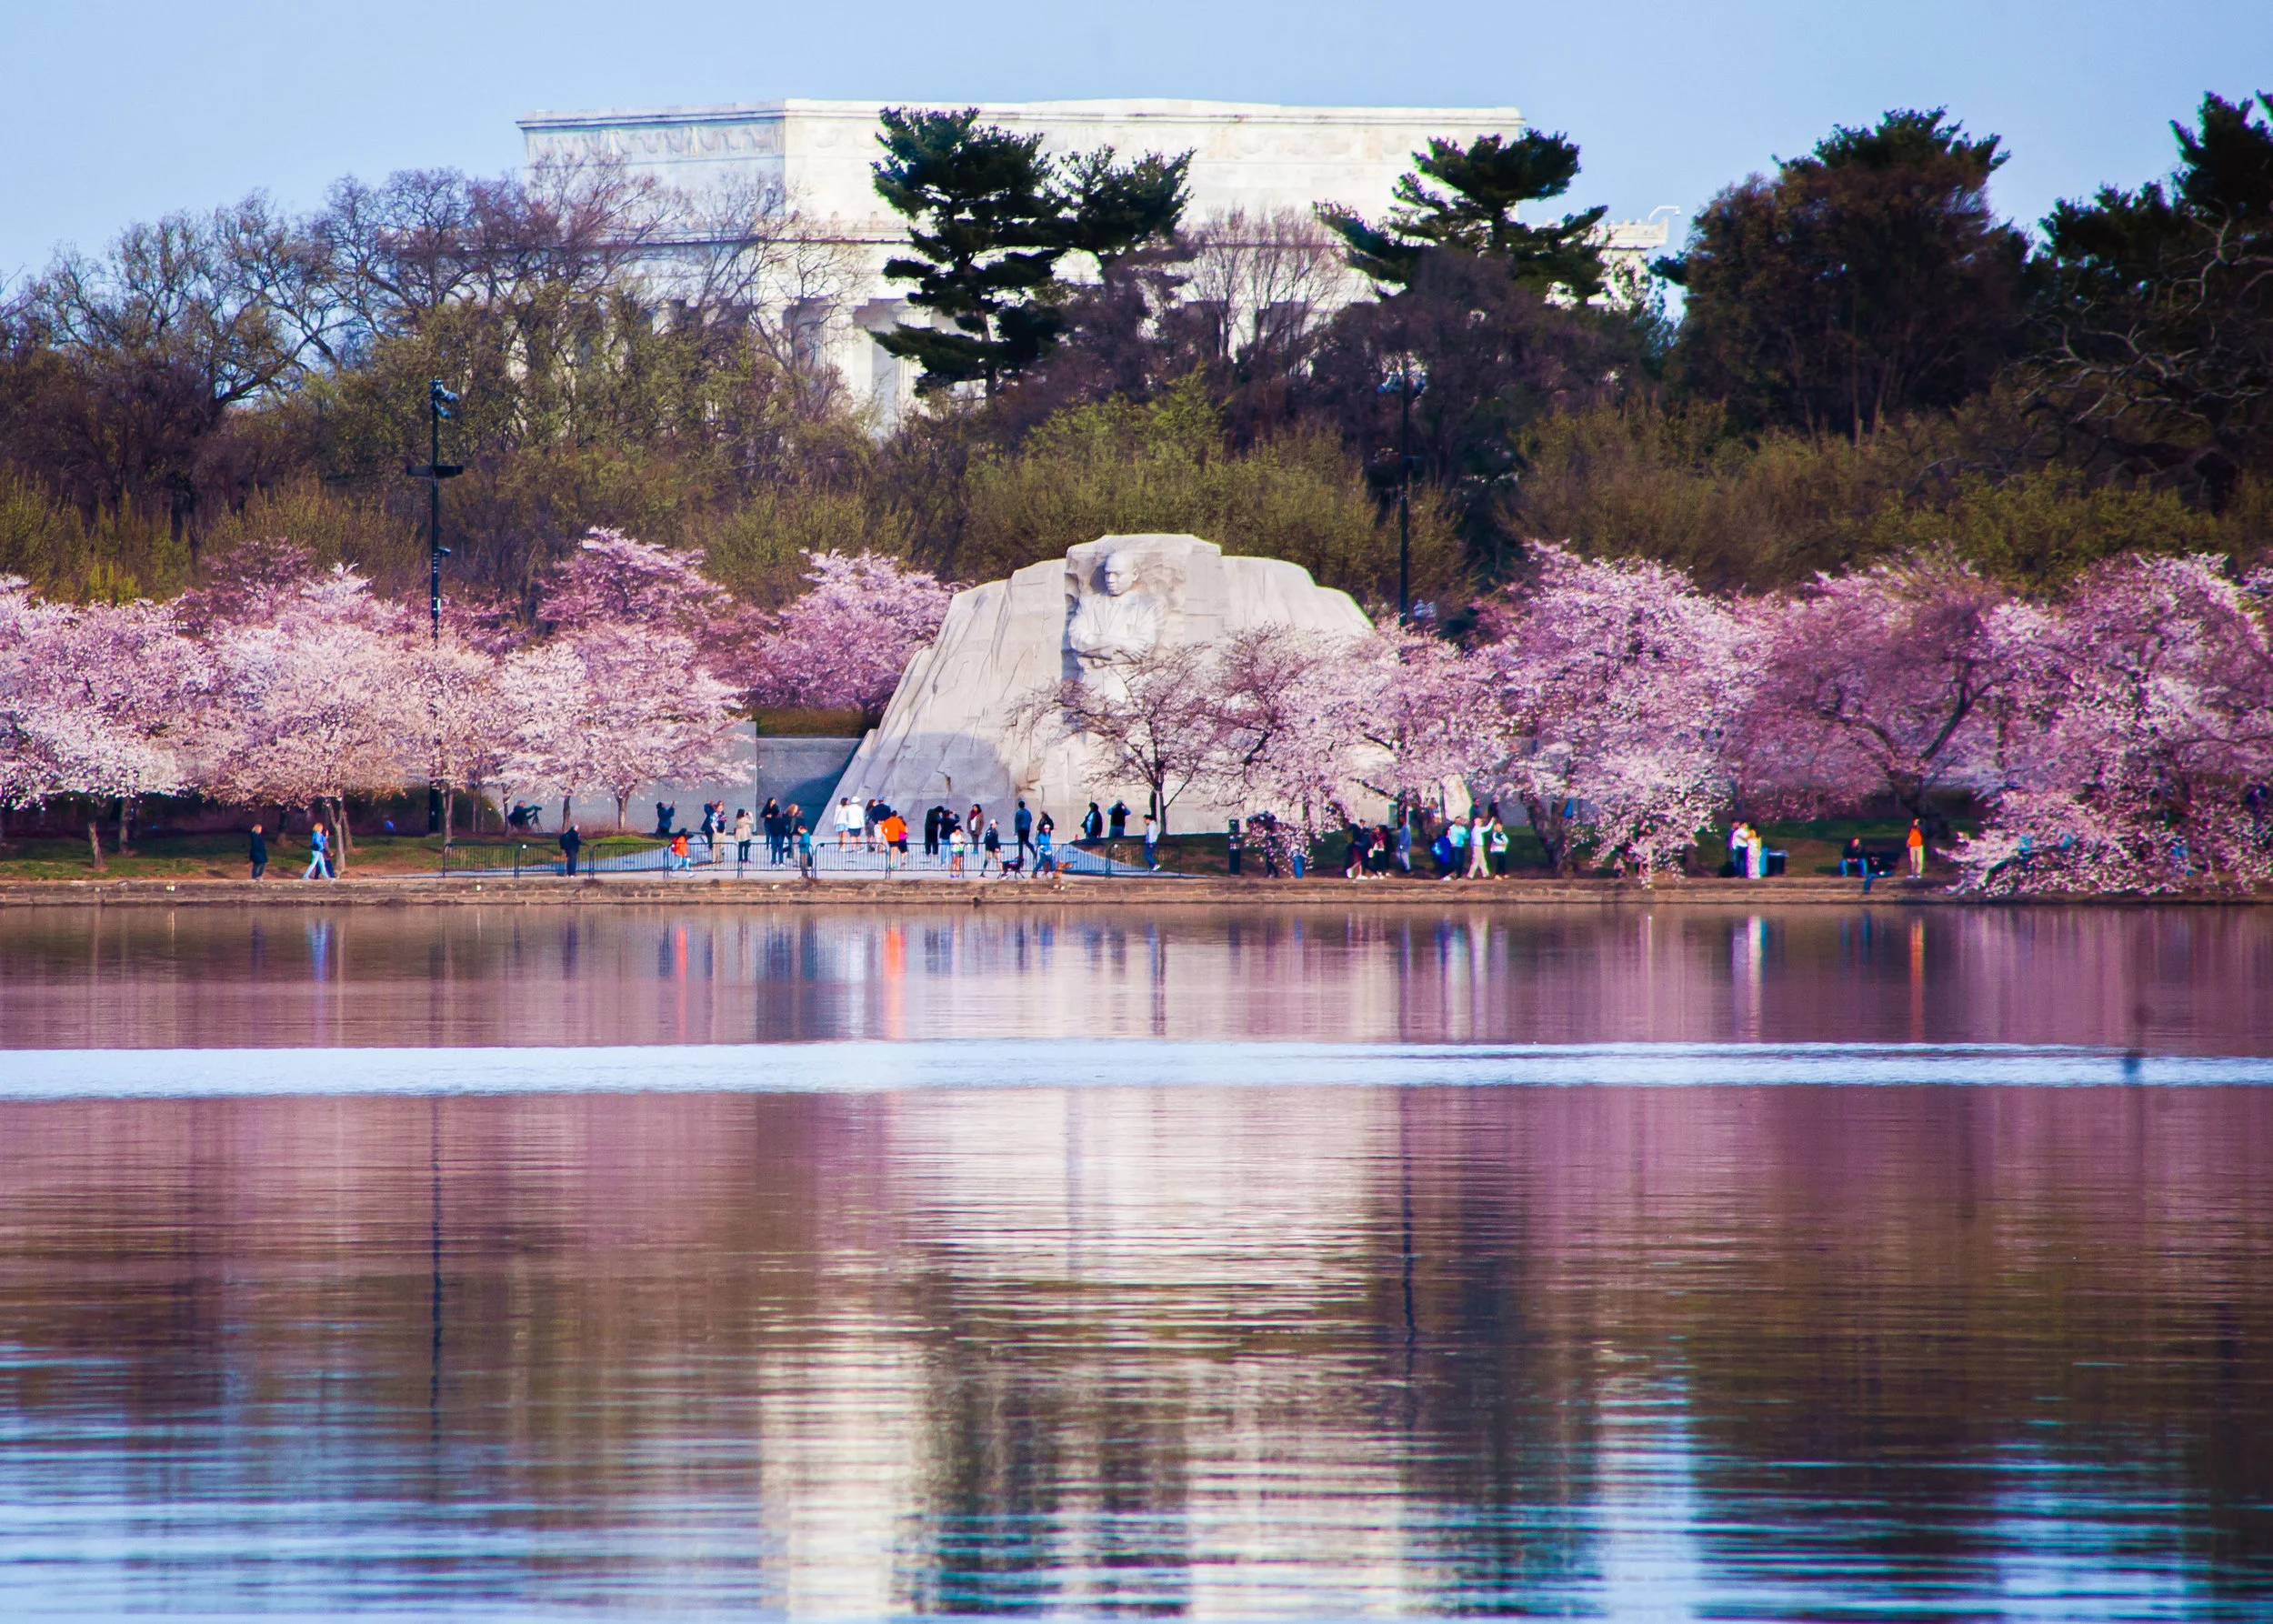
x=1407 y=378
x=434 y=471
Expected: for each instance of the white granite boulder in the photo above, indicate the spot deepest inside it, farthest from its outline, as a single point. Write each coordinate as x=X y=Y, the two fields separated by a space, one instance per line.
x=949 y=737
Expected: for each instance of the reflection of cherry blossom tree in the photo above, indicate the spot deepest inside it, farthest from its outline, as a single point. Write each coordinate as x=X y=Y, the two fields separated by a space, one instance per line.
x=845 y=642
x=1619 y=680
x=2144 y=747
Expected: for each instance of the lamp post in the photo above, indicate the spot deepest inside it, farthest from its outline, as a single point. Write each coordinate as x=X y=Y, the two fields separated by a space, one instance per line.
x=434 y=471
x=1408 y=379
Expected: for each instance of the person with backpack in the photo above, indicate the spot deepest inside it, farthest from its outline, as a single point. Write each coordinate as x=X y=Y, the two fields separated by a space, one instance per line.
x=1092 y=823
x=1119 y=817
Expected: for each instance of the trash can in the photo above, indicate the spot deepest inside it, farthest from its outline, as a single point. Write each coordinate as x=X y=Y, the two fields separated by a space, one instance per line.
x=1774 y=862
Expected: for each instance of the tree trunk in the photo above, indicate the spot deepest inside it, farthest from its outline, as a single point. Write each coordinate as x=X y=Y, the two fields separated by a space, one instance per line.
x=94 y=844
x=1554 y=838
x=340 y=846
x=449 y=818
x=124 y=803
x=563 y=812
x=621 y=802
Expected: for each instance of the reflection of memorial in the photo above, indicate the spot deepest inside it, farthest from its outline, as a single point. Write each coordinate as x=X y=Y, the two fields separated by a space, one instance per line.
x=948 y=735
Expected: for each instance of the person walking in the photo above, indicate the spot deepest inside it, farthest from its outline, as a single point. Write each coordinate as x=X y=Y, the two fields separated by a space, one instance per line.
x=571 y=842
x=258 y=853
x=742 y=829
x=1404 y=844
x=1479 y=858
x=1151 y=840
x=1045 y=846
x=1022 y=826
x=1917 y=842
x=992 y=843
x=1119 y=819
x=319 y=867
x=1092 y=823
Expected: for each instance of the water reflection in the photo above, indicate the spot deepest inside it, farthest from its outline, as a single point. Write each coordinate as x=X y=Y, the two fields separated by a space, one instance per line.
x=1801 y=1352
x=2160 y=980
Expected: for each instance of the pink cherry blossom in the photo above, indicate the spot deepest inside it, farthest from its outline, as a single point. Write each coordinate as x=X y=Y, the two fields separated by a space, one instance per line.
x=2139 y=756
x=844 y=643
x=1619 y=682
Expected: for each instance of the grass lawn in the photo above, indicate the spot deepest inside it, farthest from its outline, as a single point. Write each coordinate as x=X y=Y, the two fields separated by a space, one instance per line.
x=222 y=856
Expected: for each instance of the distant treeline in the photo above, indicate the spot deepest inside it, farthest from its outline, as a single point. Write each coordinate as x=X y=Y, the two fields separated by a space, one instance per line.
x=1868 y=362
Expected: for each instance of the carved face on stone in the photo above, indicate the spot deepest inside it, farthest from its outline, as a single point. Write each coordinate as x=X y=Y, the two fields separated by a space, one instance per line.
x=1120 y=616
x=1120 y=571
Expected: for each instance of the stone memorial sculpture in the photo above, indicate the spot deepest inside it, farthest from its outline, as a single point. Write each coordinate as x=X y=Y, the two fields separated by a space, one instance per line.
x=951 y=733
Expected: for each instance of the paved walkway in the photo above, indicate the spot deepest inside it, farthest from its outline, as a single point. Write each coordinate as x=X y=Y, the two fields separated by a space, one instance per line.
x=830 y=863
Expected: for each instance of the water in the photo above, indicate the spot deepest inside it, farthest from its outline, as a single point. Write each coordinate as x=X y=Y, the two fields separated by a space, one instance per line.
x=1231 y=1263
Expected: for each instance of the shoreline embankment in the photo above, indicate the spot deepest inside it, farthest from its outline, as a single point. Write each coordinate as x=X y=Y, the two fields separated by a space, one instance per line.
x=703 y=891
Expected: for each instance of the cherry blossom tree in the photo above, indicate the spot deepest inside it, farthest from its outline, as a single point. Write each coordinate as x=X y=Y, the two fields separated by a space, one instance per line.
x=1151 y=718
x=1618 y=681
x=844 y=643
x=2143 y=751
x=474 y=718
x=1283 y=738
x=96 y=700
x=1890 y=680
x=638 y=705
x=319 y=697
x=614 y=579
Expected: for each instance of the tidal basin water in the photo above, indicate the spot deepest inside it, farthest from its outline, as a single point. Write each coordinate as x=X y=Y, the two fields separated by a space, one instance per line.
x=1639 y=1263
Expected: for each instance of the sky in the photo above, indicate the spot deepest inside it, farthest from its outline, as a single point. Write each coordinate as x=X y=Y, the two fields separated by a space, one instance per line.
x=117 y=112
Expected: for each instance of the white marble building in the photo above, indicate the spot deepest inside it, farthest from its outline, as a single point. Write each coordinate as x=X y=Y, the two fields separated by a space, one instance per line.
x=814 y=156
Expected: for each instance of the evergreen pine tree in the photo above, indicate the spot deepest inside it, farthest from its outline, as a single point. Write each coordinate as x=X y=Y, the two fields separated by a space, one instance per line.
x=990 y=216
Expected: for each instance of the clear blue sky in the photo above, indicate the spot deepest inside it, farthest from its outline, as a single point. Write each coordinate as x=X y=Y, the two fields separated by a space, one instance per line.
x=114 y=112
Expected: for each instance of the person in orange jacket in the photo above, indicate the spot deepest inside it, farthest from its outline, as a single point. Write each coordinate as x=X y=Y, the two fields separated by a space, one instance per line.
x=1918 y=851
